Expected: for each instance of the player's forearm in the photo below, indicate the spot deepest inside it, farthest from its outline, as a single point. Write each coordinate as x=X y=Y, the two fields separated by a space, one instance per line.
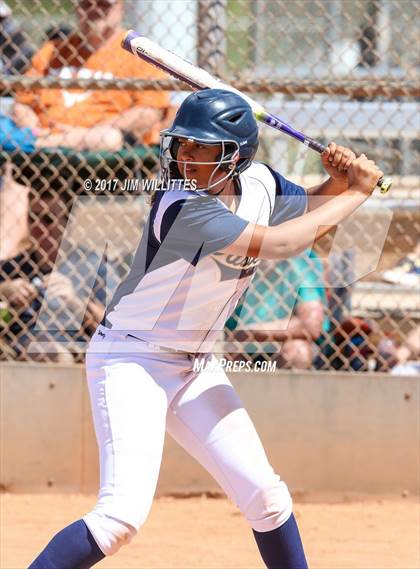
x=292 y=237
x=276 y=331
x=279 y=330
x=136 y=118
x=317 y=195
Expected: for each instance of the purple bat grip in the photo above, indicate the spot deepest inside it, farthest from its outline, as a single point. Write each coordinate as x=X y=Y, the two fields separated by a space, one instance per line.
x=275 y=122
x=271 y=120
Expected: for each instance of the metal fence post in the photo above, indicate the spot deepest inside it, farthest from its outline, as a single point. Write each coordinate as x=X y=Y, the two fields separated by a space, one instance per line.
x=211 y=35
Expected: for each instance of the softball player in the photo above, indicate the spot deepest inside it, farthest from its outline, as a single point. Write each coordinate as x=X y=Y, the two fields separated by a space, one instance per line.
x=194 y=261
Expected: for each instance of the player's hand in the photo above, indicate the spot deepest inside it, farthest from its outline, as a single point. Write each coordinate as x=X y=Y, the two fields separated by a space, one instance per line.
x=24 y=116
x=60 y=287
x=337 y=160
x=363 y=174
x=18 y=292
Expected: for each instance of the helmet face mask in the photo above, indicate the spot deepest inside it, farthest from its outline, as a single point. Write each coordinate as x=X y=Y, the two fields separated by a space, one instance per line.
x=211 y=117
x=174 y=168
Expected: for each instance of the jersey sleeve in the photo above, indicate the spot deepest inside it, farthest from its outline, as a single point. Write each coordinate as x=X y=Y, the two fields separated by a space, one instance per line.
x=198 y=226
x=290 y=202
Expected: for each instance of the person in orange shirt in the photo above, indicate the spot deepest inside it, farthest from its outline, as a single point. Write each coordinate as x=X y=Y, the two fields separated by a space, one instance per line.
x=97 y=118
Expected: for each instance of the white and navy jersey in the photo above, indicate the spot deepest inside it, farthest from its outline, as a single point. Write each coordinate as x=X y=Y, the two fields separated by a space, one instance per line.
x=182 y=287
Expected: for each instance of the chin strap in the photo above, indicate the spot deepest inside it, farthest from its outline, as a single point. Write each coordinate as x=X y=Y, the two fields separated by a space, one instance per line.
x=218 y=193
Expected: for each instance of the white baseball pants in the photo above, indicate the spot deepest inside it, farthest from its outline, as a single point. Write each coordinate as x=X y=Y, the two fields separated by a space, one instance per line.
x=136 y=394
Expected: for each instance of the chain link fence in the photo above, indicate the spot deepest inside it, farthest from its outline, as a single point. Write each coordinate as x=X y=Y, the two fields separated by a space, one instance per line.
x=80 y=121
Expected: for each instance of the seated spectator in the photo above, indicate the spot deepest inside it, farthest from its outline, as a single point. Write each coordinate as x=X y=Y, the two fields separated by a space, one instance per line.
x=107 y=116
x=59 y=306
x=285 y=303
x=353 y=345
x=387 y=354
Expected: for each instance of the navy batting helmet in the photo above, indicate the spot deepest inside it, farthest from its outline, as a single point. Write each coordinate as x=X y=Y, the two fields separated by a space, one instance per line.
x=213 y=116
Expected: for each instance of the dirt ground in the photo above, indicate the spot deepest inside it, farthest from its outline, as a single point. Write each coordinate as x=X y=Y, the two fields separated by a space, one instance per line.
x=210 y=533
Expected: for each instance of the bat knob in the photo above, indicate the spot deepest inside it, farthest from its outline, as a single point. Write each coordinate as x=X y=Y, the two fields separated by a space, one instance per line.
x=384 y=185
